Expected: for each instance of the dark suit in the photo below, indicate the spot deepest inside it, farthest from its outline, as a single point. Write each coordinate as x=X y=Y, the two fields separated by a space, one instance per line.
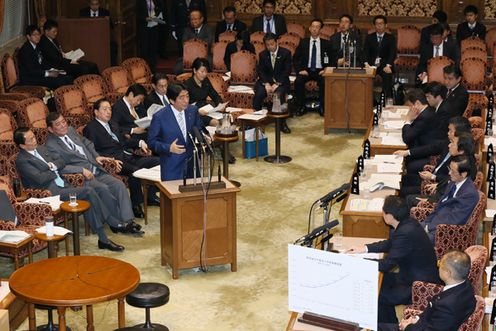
x=206 y=34
x=463 y=31
x=453 y=210
x=259 y=24
x=338 y=52
x=179 y=17
x=121 y=150
x=153 y=98
x=231 y=48
x=86 y=12
x=410 y=249
x=221 y=27
x=420 y=156
x=450 y=49
x=301 y=58
x=385 y=53
x=422 y=130
x=199 y=94
x=446 y=311
x=32 y=67
x=164 y=129
x=457 y=100
x=148 y=38
x=111 y=190
x=122 y=116
x=266 y=74
x=52 y=52
x=36 y=174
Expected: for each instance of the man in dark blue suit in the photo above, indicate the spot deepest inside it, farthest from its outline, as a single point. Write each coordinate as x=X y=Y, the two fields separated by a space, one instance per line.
x=269 y=22
x=409 y=249
x=168 y=134
x=450 y=308
x=459 y=199
x=420 y=127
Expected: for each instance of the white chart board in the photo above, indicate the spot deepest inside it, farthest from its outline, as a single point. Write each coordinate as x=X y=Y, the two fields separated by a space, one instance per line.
x=334 y=285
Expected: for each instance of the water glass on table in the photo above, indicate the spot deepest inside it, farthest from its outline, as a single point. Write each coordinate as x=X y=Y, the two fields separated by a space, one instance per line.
x=73 y=200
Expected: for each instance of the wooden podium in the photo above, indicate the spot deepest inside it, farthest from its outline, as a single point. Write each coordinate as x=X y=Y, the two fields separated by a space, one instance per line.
x=351 y=91
x=181 y=226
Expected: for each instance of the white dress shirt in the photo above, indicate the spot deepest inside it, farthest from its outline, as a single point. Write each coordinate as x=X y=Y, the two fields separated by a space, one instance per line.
x=271 y=23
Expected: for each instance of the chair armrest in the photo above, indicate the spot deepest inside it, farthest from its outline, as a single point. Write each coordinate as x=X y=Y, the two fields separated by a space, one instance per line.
x=32 y=213
x=422 y=293
x=76 y=180
x=419 y=213
x=7 y=225
x=37 y=193
x=476 y=122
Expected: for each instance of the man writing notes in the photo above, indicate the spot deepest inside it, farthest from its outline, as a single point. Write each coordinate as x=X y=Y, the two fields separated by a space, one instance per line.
x=168 y=134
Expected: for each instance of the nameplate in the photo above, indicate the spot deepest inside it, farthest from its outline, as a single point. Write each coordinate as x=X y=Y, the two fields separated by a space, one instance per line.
x=491 y=190
x=491 y=170
x=366 y=149
x=198 y=187
x=355 y=184
x=493 y=243
x=375 y=120
x=360 y=164
x=490 y=153
x=328 y=322
x=489 y=128
x=383 y=99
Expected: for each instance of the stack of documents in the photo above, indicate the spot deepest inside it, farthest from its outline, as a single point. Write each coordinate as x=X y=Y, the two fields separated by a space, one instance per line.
x=392 y=140
x=394 y=125
x=240 y=89
x=214 y=112
x=394 y=168
x=367 y=204
x=13 y=237
x=490 y=213
x=145 y=121
x=381 y=159
x=57 y=230
x=152 y=174
x=252 y=117
x=53 y=201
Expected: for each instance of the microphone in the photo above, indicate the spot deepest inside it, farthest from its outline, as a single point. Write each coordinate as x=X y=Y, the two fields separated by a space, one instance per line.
x=333 y=194
x=209 y=145
x=193 y=141
x=320 y=230
x=199 y=138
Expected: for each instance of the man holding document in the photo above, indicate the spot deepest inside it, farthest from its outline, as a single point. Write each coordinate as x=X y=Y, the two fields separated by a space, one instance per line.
x=408 y=248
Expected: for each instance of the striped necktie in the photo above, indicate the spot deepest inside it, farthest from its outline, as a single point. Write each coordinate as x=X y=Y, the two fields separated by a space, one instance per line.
x=58 y=180
x=182 y=124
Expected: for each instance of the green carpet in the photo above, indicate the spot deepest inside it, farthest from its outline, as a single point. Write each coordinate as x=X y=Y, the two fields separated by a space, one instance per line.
x=272 y=211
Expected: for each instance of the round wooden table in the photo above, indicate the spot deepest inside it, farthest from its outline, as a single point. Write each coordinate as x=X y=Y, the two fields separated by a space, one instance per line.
x=226 y=140
x=278 y=158
x=72 y=281
x=82 y=206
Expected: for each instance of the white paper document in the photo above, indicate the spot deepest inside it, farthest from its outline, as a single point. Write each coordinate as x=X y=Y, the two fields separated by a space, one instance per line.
x=145 y=121
x=53 y=201
x=57 y=230
x=389 y=180
x=241 y=89
x=392 y=141
x=74 y=55
x=490 y=140
x=252 y=117
x=394 y=168
x=390 y=115
x=152 y=174
x=334 y=285
x=13 y=237
x=395 y=125
x=367 y=204
x=233 y=110
x=490 y=213
x=388 y=158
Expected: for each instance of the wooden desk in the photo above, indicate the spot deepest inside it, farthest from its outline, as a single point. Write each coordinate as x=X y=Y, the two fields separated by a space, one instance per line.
x=71 y=281
x=347 y=242
x=376 y=145
x=181 y=226
x=14 y=248
x=17 y=308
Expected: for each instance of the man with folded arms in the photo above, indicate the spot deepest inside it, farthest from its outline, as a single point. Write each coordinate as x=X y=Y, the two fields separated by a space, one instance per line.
x=38 y=169
x=409 y=249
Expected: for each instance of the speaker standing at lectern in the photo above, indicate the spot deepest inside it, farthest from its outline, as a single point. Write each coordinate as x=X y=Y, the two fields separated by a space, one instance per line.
x=345 y=41
x=168 y=134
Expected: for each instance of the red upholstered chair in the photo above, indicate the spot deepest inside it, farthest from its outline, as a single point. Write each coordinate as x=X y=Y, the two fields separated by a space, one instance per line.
x=7 y=125
x=490 y=40
x=474 y=52
x=218 y=83
x=228 y=36
x=71 y=102
x=218 y=51
x=472 y=42
x=243 y=72
x=328 y=30
x=290 y=37
x=289 y=46
x=94 y=88
x=192 y=49
x=297 y=29
x=408 y=45
x=257 y=36
x=32 y=114
x=117 y=79
x=474 y=73
x=435 y=68
x=183 y=77
x=139 y=71
x=476 y=101
x=10 y=75
x=259 y=48
x=478 y=258
x=14 y=96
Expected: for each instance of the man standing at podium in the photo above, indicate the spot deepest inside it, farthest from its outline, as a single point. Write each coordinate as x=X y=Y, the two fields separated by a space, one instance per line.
x=168 y=134
x=343 y=43
x=310 y=59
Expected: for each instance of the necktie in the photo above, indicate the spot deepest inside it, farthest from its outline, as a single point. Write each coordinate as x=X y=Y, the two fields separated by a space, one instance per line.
x=273 y=60
x=58 y=181
x=109 y=130
x=197 y=31
x=379 y=42
x=134 y=113
x=151 y=7
x=93 y=14
x=229 y=27
x=451 y=193
x=449 y=92
x=72 y=146
x=267 y=27
x=313 y=59
x=182 y=124
x=164 y=101
x=436 y=51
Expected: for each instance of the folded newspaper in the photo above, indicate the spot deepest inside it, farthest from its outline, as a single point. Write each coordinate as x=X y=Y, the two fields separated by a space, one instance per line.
x=13 y=237
x=214 y=112
x=145 y=121
x=74 y=55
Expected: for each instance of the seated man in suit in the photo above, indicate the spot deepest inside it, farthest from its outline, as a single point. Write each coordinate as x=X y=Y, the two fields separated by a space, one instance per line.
x=379 y=50
x=169 y=134
x=39 y=170
x=242 y=43
x=310 y=59
x=229 y=23
x=452 y=307
x=80 y=157
x=94 y=10
x=159 y=94
x=341 y=49
x=440 y=45
x=108 y=141
x=408 y=248
x=34 y=68
x=471 y=27
x=273 y=69
x=420 y=127
x=457 y=96
x=436 y=94
x=197 y=29
x=439 y=16
x=268 y=21
x=52 y=52
x=459 y=199
x=127 y=110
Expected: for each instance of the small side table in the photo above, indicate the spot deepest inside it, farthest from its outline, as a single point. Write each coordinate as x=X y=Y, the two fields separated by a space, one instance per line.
x=81 y=207
x=14 y=248
x=261 y=123
x=51 y=241
x=225 y=140
x=278 y=158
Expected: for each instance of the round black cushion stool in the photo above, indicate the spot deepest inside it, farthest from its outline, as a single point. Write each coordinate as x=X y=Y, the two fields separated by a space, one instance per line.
x=148 y=295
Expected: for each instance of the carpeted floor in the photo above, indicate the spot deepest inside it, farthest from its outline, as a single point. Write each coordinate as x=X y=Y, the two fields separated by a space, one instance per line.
x=272 y=211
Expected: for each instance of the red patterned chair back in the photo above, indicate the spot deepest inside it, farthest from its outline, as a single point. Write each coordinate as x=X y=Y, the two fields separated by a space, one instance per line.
x=218 y=83
x=408 y=40
x=328 y=30
x=218 y=52
x=290 y=37
x=472 y=42
x=259 y=48
x=476 y=101
x=289 y=46
x=9 y=72
x=478 y=258
x=93 y=87
x=490 y=40
x=228 y=36
x=257 y=36
x=33 y=113
x=192 y=49
x=117 y=78
x=435 y=68
x=70 y=100
x=474 y=52
x=474 y=73
x=297 y=29
x=139 y=70
x=243 y=68
x=7 y=125
x=183 y=77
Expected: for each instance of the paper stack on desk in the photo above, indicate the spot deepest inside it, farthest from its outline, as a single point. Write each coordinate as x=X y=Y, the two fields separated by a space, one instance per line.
x=391 y=115
x=392 y=140
x=53 y=201
x=12 y=237
x=57 y=230
x=152 y=174
x=240 y=89
x=384 y=159
x=367 y=204
x=394 y=168
x=394 y=125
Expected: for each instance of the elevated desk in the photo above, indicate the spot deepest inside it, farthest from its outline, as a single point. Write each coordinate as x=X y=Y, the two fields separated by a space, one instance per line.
x=376 y=138
x=181 y=226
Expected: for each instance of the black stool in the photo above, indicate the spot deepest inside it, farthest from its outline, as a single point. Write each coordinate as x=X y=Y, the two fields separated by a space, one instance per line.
x=49 y=326
x=148 y=295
